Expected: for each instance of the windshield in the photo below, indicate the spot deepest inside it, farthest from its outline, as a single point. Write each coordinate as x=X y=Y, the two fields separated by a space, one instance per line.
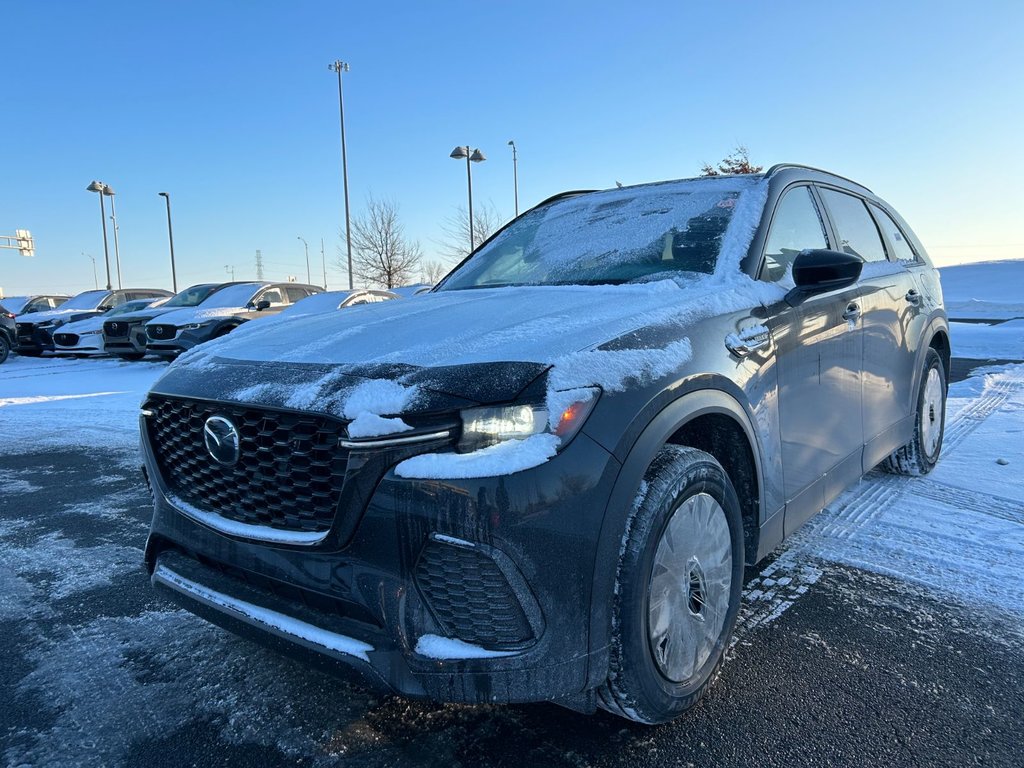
x=616 y=236
x=87 y=300
x=231 y=296
x=191 y=297
x=131 y=306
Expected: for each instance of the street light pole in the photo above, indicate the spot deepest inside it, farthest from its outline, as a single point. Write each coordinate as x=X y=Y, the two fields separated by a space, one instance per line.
x=170 y=236
x=109 y=192
x=95 y=279
x=472 y=156
x=323 y=261
x=339 y=67
x=97 y=186
x=309 y=277
x=230 y=268
x=515 y=172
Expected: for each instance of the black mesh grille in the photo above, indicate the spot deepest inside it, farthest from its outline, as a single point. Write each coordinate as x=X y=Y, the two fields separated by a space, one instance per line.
x=160 y=332
x=114 y=329
x=66 y=339
x=24 y=331
x=469 y=596
x=289 y=475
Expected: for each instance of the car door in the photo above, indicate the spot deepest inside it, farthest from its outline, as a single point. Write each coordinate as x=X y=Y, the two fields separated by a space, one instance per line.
x=887 y=368
x=277 y=298
x=818 y=344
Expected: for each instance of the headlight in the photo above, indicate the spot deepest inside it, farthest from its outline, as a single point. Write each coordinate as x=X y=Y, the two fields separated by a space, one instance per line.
x=194 y=326
x=490 y=425
x=89 y=333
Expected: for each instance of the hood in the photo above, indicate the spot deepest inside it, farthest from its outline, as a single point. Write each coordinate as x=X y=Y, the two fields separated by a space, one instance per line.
x=186 y=315
x=146 y=314
x=64 y=315
x=477 y=346
x=81 y=326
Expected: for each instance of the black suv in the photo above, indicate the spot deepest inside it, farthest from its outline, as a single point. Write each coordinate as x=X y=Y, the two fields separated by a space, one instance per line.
x=541 y=480
x=8 y=330
x=36 y=329
x=236 y=303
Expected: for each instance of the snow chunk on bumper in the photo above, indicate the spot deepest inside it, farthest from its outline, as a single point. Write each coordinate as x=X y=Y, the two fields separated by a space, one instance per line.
x=501 y=459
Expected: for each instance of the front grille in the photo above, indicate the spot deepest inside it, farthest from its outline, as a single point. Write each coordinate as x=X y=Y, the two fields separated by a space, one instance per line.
x=113 y=329
x=160 y=332
x=66 y=339
x=470 y=597
x=289 y=474
x=24 y=331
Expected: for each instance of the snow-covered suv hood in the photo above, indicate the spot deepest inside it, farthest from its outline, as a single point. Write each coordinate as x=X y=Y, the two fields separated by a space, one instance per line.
x=81 y=326
x=63 y=315
x=146 y=314
x=186 y=315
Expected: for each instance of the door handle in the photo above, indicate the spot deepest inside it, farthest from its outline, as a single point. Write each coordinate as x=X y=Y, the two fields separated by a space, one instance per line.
x=913 y=297
x=852 y=313
x=746 y=341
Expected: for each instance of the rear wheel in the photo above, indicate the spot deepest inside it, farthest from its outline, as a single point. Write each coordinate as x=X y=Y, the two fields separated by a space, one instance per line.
x=678 y=590
x=919 y=456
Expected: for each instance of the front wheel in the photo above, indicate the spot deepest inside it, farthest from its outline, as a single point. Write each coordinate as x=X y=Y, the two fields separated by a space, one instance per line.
x=678 y=588
x=919 y=456
x=5 y=348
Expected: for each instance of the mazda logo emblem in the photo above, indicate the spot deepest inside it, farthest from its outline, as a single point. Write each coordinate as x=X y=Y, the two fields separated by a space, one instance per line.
x=222 y=441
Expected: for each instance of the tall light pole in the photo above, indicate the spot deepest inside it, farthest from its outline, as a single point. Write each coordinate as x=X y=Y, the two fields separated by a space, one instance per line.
x=231 y=269
x=309 y=277
x=97 y=186
x=108 y=191
x=323 y=261
x=170 y=236
x=95 y=280
x=472 y=156
x=515 y=172
x=339 y=67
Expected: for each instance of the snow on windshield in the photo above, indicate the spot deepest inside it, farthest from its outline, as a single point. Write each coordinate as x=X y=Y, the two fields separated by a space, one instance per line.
x=191 y=297
x=615 y=236
x=232 y=296
x=14 y=304
x=87 y=300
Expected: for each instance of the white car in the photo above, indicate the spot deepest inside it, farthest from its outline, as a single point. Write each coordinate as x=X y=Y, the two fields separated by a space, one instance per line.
x=85 y=337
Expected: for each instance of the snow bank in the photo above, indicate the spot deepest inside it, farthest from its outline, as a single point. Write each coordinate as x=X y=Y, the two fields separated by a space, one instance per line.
x=986 y=290
x=1004 y=341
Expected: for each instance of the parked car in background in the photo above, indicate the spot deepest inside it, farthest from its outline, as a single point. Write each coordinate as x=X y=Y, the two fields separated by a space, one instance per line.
x=26 y=305
x=35 y=330
x=8 y=330
x=176 y=332
x=542 y=482
x=85 y=337
x=334 y=300
x=125 y=335
x=408 y=291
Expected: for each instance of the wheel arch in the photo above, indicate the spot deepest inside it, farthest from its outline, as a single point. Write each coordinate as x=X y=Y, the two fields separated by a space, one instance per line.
x=706 y=417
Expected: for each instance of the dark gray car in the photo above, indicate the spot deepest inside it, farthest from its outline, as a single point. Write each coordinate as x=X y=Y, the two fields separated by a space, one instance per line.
x=541 y=480
x=176 y=332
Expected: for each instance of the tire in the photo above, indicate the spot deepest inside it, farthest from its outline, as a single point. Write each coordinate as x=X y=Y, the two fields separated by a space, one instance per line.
x=919 y=456
x=659 y=667
x=5 y=348
x=131 y=355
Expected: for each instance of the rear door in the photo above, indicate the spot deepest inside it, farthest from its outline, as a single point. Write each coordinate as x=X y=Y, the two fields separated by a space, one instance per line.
x=819 y=346
x=887 y=311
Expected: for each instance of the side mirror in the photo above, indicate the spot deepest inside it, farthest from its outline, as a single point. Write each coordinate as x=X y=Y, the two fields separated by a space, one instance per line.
x=262 y=304
x=822 y=270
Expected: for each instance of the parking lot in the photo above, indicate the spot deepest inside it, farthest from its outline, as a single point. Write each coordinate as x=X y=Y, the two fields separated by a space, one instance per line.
x=889 y=630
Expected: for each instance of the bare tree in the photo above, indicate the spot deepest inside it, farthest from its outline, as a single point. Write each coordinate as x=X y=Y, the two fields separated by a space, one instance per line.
x=382 y=255
x=737 y=162
x=455 y=245
x=432 y=271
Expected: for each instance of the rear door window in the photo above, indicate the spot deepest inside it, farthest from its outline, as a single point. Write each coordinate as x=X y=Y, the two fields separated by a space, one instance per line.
x=273 y=295
x=857 y=232
x=901 y=248
x=796 y=227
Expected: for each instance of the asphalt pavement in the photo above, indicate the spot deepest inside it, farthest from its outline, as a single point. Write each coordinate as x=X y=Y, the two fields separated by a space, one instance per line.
x=840 y=667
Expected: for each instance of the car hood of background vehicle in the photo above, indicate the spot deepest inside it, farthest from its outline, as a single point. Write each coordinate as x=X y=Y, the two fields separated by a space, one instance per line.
x=81 y=326
x=508 y=335
x=186 y=315
x=144 y=315
x=63 y=315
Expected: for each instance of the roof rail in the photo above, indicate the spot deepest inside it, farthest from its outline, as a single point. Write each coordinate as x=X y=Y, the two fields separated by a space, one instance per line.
x=783 y=166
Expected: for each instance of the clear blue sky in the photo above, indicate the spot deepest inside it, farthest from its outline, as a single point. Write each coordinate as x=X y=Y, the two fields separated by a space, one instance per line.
x=231 y=108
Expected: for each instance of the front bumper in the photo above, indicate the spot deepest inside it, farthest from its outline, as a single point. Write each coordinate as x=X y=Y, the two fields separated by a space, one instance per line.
x=91 y=344
x=133 y=342
x=380 y=600
x=184 y=340
x=32 y=338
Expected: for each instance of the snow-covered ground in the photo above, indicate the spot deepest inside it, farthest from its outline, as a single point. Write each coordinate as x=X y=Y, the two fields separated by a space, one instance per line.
x=992 y=290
